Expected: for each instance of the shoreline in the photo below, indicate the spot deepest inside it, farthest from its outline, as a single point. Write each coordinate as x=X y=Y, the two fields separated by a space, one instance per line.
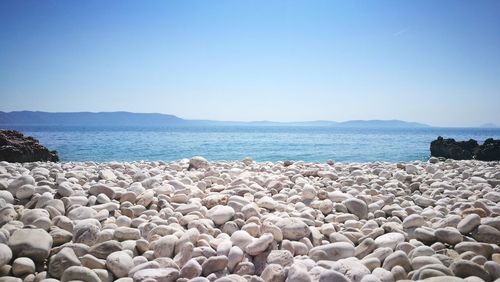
x=185 y=161
x=194 y=220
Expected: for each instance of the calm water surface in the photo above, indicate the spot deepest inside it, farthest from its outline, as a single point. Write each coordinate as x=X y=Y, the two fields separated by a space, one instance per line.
x=312 y=144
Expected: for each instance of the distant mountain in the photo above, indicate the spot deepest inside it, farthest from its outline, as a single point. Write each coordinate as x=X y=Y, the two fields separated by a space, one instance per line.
x=30 y=118
x=488 y=125
x=88 y=119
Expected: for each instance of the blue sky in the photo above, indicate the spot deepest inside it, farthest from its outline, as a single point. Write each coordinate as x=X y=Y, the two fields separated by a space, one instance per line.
x=436 y=62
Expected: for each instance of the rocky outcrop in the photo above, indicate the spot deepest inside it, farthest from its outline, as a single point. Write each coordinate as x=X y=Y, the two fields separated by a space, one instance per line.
x=489 y=151
x=15 y=147
x=466 y=150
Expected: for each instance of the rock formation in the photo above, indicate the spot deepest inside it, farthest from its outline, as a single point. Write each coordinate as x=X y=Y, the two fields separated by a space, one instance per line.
x=466 y=150
x=15 y=147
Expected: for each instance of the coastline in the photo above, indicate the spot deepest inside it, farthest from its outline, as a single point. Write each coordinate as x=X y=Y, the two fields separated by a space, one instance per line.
x=251 y=221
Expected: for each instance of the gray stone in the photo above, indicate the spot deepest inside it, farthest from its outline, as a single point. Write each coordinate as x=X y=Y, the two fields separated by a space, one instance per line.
x=60 y=236
x=483 y=249
x=126 y=233
x=297 y=272
x=493 y=269
x=389 y=240
x=397 y=258
x=25 y=191
x=64 y=259
x=23 y=266
x=20 y=181
x=281 y=257
x=145 y=265
x=365 y=248
x=487 y=234
x=102 y=189
x=5 y=254
x=259 y=245
x=351 y=267
x=273 y=273
x=102 y=250
x=79 y=273
x=85 y=232
x=332 y=275
x=293 y=228
x=357 y=207
x=80 y=213
x=448 y=235
x=31 y=243
x=221 y=214
x=469 y=223
x=464 y=269
x=158 y=274
x=119 y=263
x=198 y=162
x=165 y=246
x=191 y=269
x=421 y=261
x=413 y=221
x=235 y=256
x=214 y=264
x=332 y=251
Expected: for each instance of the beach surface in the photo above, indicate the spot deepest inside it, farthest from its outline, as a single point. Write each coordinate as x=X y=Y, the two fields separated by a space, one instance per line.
x=194 y=220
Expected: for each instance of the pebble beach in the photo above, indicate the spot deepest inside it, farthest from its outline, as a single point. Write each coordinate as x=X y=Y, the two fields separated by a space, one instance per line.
x=195 y=220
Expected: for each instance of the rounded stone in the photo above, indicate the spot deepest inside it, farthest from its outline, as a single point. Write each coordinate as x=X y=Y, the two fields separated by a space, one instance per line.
x=448 y=235
x=221 y=214
x=119 y=263
x=198 y=162
x=31 y=243
x=332 y=251
x=487 y=234
x=191 y=269
x=23 y=266
x=5 y=254
x=165 y=246
x=332 y=275
x=126 y=233
x=389 y=240
x=273 y=273
x=464 y=269
x=64 y=259
x=397 y=258
x=357 y=207
x=102 y=250
x=281 y=257
x=79 y=273
x=413 y=221
x=214 y=264
x=293 y=228
x=469 y=223
x=308 y=192
x=25 y=191
x=259 y=245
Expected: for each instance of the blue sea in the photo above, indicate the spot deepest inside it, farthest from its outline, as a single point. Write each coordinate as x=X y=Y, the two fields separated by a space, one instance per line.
x=262 y=143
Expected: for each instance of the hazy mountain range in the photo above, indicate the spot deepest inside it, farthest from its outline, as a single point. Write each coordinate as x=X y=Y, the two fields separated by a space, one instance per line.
x=30 y=118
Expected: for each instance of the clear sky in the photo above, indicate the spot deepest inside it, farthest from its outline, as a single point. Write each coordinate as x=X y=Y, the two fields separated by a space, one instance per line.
x=436 y=62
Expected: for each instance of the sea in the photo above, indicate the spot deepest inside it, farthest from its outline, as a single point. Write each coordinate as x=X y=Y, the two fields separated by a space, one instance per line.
x=262 y=143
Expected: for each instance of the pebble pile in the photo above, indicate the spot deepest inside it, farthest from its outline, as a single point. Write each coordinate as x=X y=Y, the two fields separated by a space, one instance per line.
x=192 y=220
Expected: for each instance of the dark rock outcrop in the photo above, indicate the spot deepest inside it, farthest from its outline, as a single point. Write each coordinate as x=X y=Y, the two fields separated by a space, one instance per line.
x=15 y=147
x=489 y=151
x=466 y=150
